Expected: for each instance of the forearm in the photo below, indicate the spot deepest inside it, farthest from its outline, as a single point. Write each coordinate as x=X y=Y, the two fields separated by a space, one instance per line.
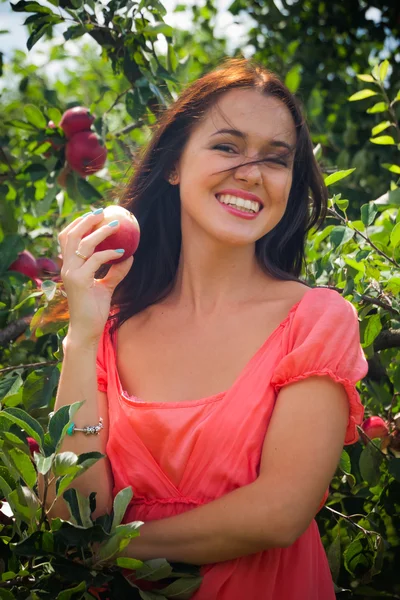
x=78 y=381
x=235 y=525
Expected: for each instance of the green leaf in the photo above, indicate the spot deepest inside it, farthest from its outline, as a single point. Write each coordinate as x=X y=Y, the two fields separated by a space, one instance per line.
x=154 y=30
x=35 y=116
x=182 y=589
x=119 y=540
x=10 y=247
x=373 y=329
x=59 y=422
x=384 y=140
x=87 y=191
x=392 y=168
x=22 y=464
x=128 y=563
x=154 y=570
x=394 y=468
x=378 y=108
x=121 y=503
x=37 y=34
x=134 y=106
x=30 y=6
x=395 y=235
x=367 y=78
x=334 y=177
x=21 y=125
x=369 y=463
x=70 y=593
x=345 y=462
x=342 y=204
x=79 y=508
x=362 y=94
x=340 y=235
x=36 y=172
x=293 y=78
x=63 y=463
x=9 y=385
x=383 y=69
x=381 y=127
x=43 y=463
x=54 y=115
x=26 y=422
x=368 y=213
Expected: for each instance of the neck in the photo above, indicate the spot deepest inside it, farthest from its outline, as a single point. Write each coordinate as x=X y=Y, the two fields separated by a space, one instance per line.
x=215 y=277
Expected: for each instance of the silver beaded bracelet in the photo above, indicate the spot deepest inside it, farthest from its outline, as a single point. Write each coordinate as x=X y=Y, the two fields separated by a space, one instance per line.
x=88 y=430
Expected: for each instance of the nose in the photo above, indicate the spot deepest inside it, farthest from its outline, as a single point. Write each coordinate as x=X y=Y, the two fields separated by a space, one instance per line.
x=250 y=173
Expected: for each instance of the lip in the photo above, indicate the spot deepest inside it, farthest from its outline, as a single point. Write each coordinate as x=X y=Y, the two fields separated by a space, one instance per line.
x=240 y=194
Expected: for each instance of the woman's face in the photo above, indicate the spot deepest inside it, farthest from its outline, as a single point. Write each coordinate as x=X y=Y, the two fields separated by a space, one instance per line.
x=244 y=126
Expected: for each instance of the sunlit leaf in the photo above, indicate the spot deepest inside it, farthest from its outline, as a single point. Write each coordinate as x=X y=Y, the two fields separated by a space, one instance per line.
x=334 y=177
x=362 y=94
x=384 y=140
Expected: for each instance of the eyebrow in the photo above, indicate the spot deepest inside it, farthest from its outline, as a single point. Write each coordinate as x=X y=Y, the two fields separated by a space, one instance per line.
x=243 y=136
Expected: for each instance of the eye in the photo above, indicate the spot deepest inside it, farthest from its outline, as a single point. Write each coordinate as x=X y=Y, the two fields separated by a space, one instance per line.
x=278 y=161
x=224 y=148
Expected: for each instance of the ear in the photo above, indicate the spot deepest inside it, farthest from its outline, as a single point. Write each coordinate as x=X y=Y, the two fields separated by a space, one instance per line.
x=173 y=177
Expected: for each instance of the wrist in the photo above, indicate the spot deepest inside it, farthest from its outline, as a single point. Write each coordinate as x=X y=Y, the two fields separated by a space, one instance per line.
x=80 y=344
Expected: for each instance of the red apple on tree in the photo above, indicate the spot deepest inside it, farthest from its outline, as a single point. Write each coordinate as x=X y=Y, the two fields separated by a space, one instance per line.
x=47 y=267
x=76 y=119
x=374 y=427
x=26 y=264
x=127 y=236
x=85 y=154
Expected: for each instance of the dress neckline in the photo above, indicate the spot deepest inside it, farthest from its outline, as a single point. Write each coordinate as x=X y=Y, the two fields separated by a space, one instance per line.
x=136 y=402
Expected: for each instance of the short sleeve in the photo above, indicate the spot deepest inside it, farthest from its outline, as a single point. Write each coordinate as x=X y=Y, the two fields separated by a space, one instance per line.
x=101 y=360
x=323 y=338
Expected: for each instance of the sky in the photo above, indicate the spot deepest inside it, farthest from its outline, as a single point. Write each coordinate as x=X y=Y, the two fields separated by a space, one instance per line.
x=17 y=36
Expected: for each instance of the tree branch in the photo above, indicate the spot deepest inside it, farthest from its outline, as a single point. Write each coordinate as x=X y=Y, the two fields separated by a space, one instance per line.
x=14 y=330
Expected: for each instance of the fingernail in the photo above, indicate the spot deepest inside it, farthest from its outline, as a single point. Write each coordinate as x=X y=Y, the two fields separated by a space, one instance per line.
x=113 y=223
x=87 y=214
x=98 y=211
x=120 y=251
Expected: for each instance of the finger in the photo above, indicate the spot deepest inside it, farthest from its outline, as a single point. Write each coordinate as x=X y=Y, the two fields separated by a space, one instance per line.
x=77 y=238
x=89 y=268
x=117 y=273
x=63 y=234
x=88 y=244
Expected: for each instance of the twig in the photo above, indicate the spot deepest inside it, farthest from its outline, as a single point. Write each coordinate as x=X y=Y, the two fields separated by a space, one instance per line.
x=129 y=128
x=365 y=237
x=365 y=531
x=117 y=99
x=14 y=330
x=30 y=365
x=4 y=157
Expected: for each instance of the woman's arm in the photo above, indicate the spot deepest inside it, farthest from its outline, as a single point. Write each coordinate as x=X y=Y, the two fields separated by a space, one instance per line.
x=78 y=382
x=299 y=458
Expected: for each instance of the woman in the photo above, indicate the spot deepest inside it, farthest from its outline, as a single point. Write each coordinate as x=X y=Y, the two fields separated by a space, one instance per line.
x=226 y=385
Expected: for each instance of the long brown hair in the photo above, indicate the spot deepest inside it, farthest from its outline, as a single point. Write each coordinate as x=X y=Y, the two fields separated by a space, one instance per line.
x=156 y=203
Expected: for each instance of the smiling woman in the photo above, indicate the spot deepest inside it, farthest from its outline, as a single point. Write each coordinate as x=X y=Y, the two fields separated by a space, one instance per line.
x=219 y=372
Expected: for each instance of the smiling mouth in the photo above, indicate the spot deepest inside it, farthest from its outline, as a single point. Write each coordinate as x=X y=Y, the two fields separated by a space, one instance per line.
x=246 y=206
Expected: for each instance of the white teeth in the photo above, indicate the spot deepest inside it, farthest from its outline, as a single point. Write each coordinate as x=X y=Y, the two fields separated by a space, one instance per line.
x=240 y=202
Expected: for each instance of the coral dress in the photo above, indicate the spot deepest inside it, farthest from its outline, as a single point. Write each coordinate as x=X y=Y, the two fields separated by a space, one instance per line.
x=179 y=455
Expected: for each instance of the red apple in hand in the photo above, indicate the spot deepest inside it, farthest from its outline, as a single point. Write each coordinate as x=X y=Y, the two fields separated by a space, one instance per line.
x=374 y=427
x=76 y=119
x=127 y=236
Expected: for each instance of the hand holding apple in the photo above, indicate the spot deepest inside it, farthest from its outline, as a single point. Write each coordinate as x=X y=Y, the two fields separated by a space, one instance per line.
x=89 y=299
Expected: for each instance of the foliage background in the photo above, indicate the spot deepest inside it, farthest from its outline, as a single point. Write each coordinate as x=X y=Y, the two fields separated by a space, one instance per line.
x=125 y=78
